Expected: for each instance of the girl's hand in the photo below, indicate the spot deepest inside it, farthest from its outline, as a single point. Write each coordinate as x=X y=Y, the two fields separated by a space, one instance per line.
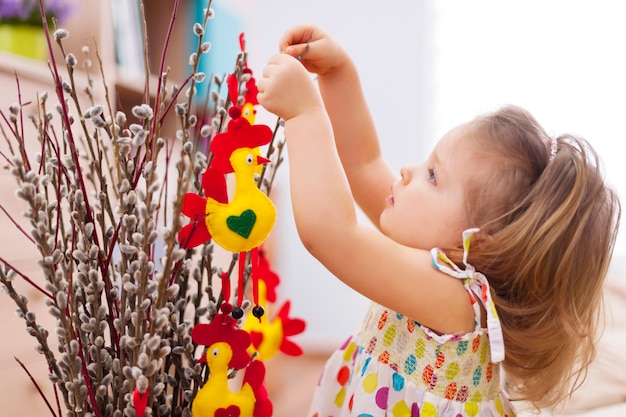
x=318 y=52
x=286 y=88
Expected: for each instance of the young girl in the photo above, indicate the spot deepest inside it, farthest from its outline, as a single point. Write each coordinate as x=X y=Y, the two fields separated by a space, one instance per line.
x=490 y=255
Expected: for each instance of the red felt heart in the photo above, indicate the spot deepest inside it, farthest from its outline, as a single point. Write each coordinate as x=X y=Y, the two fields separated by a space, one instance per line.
x=141 y=401
x=231 y=411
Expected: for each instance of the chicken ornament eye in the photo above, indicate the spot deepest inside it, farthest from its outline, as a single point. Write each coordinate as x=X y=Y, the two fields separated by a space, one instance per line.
x=249 y=159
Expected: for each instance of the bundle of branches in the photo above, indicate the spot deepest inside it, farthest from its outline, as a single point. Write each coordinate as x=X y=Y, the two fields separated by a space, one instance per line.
x=103 y=192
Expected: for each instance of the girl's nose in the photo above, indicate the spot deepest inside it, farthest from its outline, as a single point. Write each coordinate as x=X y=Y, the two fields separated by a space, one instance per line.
x=405 y=174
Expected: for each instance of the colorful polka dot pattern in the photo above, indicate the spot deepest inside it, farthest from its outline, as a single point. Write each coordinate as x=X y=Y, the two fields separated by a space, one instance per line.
x=397 y=368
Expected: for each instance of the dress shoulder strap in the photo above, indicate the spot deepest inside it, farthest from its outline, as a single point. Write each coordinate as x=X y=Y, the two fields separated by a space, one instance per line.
x=476 y=284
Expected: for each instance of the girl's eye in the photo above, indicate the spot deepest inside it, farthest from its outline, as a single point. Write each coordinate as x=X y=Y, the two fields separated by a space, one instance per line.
x=431 y=176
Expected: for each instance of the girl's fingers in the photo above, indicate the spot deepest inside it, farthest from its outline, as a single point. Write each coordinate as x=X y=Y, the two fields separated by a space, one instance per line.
x=297 y=51
x=299 y=36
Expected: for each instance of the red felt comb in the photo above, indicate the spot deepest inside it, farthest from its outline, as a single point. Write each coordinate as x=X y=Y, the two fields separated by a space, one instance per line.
x=240 y=134
x=222 y=329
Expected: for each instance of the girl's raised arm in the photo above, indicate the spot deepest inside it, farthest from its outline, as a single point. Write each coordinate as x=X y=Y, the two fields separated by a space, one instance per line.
x=384 y=271
x=354 y=131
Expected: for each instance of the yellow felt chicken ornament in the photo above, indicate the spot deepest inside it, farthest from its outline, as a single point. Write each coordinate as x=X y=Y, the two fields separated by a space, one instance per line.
x=271 y=336
x=242 y=223
x=226 y=350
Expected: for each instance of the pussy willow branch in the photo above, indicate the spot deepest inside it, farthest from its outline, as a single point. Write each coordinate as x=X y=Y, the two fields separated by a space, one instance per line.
x=19 y=127
x=148 y=312
x=37 y=387
x=65 y=112
x=34 y=329
x=173 y=269
x=74 y=155
x=116 y=151
x=6 y=138
x=103 y=262
x=270 y=151
x=17 y=225
x=26 y=278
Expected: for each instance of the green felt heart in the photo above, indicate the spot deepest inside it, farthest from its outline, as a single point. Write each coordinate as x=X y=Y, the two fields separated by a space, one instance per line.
x=242 y=224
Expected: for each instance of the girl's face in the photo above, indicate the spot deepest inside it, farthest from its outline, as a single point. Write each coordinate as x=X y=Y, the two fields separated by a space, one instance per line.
x=426 y=207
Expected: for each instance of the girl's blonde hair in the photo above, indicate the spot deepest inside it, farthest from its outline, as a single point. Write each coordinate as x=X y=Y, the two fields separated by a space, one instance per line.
x=548 y=227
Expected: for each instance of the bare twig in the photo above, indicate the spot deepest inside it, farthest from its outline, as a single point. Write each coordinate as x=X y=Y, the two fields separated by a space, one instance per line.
x=37 y=387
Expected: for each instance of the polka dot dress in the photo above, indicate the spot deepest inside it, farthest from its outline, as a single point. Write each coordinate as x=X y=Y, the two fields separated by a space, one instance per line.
x=396 y=367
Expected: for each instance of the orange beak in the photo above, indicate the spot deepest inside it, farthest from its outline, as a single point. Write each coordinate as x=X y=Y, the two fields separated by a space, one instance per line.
x=260 y=160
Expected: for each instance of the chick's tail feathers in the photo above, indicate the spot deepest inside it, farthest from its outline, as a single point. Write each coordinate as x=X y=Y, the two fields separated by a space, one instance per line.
x=255 y=374
x=195 y=233
x=291 y=327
